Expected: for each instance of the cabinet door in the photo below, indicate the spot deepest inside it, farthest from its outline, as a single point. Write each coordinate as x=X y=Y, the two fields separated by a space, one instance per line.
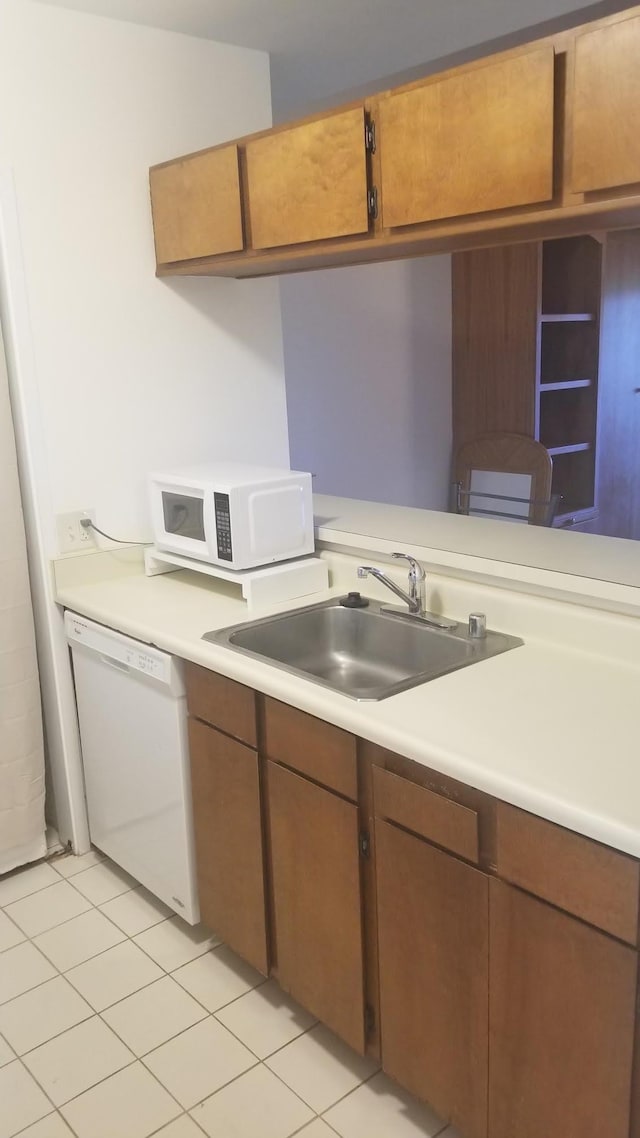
x=229 y=848
x=606 y=97
x=196 y=206
x=561 y=1023
x=315 y=871
x=308 y=182
x=477 y=141
x=433 y=913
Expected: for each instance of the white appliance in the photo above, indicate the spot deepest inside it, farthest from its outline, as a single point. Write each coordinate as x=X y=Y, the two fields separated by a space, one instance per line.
x=234 y=515
x=133 y=731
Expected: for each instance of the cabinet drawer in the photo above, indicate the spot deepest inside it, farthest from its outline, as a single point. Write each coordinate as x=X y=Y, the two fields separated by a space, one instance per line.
x=222 y=702
x=447 y=823
x=595 y=883
x=309 y=745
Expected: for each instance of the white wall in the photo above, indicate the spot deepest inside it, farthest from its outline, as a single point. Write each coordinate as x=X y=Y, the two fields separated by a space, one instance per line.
x=368 y=367
x=113 y=372
x=133 y=373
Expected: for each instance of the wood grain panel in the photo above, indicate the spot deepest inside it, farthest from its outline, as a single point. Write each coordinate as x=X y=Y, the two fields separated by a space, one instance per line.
x=196 y=206
x=227 y=817
x=606 y=97
x=309 y=745
x=437 y=818
x=562 y=1013
x=222 y=702
x=597 y=884
x=478 y=141
x=496 y=299
x=433 y=943
x=315 y=874
x=308 y=183
x=619 y=391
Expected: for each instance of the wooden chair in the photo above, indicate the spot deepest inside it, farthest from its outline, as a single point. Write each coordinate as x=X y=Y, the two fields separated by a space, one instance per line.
x=505 y=476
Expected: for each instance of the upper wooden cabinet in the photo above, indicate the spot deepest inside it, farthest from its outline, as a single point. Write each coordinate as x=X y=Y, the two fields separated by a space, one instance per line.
x=196 y=206
x=309 y=182
x=480 y=140
x=606 y=99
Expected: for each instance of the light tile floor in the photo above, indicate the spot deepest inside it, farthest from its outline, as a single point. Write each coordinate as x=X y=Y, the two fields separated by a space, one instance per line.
x=117 y=1020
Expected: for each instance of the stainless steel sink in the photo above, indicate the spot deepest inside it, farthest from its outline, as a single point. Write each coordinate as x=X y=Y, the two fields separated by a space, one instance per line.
x=365 y=653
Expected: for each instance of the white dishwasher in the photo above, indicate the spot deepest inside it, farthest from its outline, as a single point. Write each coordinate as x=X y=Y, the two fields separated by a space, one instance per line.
x=133 y=730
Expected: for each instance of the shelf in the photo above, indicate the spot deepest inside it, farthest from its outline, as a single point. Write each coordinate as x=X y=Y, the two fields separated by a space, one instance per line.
x=567 y=318
x=566 y=385
x=572 y=448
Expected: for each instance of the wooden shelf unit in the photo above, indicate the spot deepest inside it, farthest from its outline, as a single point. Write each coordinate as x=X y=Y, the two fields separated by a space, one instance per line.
x=526 y=324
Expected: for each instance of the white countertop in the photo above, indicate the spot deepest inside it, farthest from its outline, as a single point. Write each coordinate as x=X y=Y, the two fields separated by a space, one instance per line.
x=549 y=728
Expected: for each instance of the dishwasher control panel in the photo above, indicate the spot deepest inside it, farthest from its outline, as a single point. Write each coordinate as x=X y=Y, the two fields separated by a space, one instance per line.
x=124 y=652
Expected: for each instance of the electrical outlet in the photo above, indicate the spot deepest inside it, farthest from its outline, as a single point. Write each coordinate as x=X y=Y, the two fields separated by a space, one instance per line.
x=72 y=537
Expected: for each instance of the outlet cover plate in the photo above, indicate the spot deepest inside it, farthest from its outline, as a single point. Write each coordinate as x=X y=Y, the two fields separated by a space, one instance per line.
x=72 y=537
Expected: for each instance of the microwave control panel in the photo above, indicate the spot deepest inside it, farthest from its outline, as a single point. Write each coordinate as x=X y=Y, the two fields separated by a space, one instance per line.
x=223 y=526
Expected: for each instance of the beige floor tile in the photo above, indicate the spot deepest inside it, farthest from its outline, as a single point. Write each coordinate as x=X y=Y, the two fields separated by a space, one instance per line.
x=13 y=886
x=77 y=1060
x=68 y=865
x=199 y=1062
x=21 y=1100
x=103 y=882
x=53 y=1126
x=10 y=934
x=130 y=1104
x=151 y=1017
x=174 y=943
x=38 y=1015
x=255 y=1104
x=380 y=1108
x=320 y=1068
x=47 y=908
x=113 y=975
x=22 y=968
x=6 y=1054
x=183 y=1127
x=265 y=1019
x=135 y=911
x=78 y=940
x=318 y=1129
x=218 y=977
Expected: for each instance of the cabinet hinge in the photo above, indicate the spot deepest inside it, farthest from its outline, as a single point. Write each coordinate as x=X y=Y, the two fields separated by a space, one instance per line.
x=370 y=136
x=372 y=202
x=369 y=1020
x=364 y=843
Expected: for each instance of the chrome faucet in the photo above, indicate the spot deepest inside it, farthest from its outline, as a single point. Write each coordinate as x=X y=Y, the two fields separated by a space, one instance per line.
x=415 y=598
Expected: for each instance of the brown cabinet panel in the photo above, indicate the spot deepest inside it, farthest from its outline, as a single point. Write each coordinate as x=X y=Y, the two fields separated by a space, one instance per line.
x=196 y=206
x=595 y=883
x=561 y=1023
x=315 y=873
x=433 y=914
x=309 y=182
x=475 y=141
x=496 y=298
x=225 y=786
x=606 y=97
x=223 y=703
x=437 y=818
x=323 y=752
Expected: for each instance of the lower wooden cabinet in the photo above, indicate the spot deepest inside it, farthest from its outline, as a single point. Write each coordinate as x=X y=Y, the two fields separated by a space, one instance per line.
x=225 y=783
x=561 y=1021
x=317 y=919
x=433 y=936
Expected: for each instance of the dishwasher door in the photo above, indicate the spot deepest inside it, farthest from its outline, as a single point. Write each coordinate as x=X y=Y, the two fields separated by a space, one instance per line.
x=133 y=731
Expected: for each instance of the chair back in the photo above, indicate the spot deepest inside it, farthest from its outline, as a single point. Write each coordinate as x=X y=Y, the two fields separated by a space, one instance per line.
x=505 y=476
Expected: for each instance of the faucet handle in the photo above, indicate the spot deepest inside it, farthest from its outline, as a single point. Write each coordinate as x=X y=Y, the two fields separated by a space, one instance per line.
x=415 y=566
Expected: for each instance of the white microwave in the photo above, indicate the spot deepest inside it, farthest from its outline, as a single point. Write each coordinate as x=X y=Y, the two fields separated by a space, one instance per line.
x=232 y=514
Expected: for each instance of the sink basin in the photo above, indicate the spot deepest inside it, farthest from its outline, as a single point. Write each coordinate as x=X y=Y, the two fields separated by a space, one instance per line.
x=364 y=653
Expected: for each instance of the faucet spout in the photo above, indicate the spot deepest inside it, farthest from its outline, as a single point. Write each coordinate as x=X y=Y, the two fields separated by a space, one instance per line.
x=412 y=602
